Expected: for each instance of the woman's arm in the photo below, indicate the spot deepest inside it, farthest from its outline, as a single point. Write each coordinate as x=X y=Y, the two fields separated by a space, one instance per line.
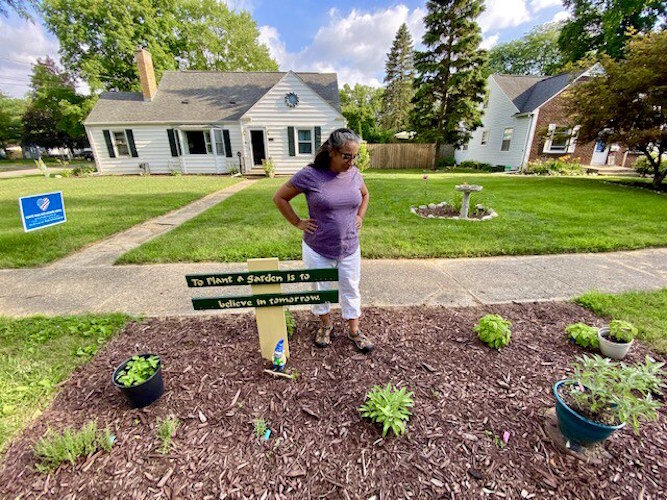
x=365 y=198
x=282 y=200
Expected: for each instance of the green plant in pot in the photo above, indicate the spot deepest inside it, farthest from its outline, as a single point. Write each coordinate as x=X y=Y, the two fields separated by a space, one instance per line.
x=616 y=339
x=604 y=395
x=139 y=378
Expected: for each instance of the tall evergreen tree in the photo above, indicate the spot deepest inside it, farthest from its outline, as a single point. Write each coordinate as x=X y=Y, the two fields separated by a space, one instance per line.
x=450 y=81
x=396 y=101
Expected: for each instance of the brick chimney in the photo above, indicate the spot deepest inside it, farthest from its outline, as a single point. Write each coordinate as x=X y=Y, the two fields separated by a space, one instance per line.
x=146 y=73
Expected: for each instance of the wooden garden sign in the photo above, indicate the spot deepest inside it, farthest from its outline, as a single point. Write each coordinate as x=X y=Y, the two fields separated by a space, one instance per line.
x=265 y=280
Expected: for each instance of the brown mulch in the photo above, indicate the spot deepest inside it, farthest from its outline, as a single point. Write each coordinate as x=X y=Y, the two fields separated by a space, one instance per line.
x=319 y=446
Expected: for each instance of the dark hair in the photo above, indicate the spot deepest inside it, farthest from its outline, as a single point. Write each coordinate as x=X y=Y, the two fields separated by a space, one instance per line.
x=336 y=140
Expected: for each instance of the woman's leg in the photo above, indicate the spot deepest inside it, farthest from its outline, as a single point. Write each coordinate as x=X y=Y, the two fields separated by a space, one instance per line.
x=349 y=276
x=313 y=260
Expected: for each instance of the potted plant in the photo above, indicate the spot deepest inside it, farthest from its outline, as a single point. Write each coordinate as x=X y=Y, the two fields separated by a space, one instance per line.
x=603 y=395
x=616 y=339
x=139 y=378
x=269 y=167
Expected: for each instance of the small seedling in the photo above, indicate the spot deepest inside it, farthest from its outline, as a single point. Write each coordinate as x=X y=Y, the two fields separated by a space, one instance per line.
x=290 y=323
x=497 y=440
x=166 y=429
x=260 y=426
x=388 y=406
x=55 y=448
x=295 y=374
x=138 y=370
x=493 y=330
x=583 y=335
x=622 y=331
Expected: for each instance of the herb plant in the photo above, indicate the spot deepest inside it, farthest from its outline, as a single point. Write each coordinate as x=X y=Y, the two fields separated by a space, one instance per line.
x=388 y=406
x=290 y=322
x=583 y=335
x=55 y=448
x=493 y=330
x=165 y=430
x=260 y=425
x=138 y=370
x=621 y=331
x=610 y=392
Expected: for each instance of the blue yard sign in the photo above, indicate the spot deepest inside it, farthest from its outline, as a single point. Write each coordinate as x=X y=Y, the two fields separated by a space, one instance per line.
x=42 y=210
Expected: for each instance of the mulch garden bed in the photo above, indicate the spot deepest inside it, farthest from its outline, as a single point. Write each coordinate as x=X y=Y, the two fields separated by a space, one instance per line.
x=320 y=446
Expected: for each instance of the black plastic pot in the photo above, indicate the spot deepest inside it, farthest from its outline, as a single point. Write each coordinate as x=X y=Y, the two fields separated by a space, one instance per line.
x=145 y=393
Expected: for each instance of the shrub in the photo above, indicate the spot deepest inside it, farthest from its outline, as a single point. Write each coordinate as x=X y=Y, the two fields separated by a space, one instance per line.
x=622 y=331
x=475 y=165
x=233 y=170
x=138 y=370
x=493 y=330
x=364 y=160
x=54 y=448
x=269 y=167
x=610 y=392
x=290 y=323
x=583 y=335
x=389 y=407
x=166 y=430
x=555 y=166
x=446 y=162
x=644 y=168
x=83 y=170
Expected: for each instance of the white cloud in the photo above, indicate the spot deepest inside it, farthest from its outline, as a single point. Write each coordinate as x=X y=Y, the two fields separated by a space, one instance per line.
x=538 y=5
x=560 y=16
x=489 y=41
x=20 y=46
x=501 y=14
x=239 y=5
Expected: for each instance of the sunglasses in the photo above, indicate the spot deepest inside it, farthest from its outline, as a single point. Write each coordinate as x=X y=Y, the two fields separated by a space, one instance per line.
x=348 y=157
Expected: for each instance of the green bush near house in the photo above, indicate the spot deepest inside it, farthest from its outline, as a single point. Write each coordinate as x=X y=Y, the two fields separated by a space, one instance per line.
x=644 y=168
x=554 y=166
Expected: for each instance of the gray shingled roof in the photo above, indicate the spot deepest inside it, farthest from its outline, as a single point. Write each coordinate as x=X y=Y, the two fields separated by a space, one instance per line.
x=529 y=92
x=202 y=97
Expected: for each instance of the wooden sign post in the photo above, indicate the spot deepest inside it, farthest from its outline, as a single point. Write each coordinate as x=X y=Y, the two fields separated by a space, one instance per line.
x=265 y=280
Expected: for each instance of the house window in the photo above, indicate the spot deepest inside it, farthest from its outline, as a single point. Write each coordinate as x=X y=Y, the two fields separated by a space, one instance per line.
x=507 y=139
x=305 y=140
x=560 y=138
x=485 y=137
x=219 y=143
x=198 y=142
x=120 y=141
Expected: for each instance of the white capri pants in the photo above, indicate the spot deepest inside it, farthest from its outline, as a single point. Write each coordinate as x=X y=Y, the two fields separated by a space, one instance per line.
x=349 y=275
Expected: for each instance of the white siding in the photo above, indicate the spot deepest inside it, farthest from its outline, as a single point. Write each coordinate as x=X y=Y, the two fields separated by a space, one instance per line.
x=497 y=117
x=272 y=115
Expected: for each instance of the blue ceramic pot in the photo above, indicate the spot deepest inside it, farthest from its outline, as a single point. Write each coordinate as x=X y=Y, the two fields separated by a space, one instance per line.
x=576 y=427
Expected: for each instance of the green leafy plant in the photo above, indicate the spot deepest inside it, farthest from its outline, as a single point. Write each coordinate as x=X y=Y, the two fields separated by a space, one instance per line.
x=621 y=331
x=612 y=392
x=57 y=448
x=290 y=323
x=388 y=406
x=233 y=170
x=39 y=163
x=166 y=429
x=138 y=370
x=260 y=426
x=564 y=165
x=583 y=335
x=364 y=160
x=497 y=440
x=268 y=166
x=493 y=330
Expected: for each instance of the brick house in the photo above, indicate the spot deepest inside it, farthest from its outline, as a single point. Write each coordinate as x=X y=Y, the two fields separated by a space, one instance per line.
x=524 y=120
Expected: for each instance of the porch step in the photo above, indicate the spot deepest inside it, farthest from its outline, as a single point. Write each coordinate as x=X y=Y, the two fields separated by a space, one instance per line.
x=613 y=170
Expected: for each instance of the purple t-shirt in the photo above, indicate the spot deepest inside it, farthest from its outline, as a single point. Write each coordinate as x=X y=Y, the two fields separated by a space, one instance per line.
x=333 y=200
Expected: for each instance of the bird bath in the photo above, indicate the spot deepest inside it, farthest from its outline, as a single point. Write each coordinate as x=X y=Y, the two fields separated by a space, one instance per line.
x=466 y=189
x=448 y=210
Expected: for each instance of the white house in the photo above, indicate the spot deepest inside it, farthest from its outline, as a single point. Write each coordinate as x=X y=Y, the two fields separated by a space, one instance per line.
x=208 y=122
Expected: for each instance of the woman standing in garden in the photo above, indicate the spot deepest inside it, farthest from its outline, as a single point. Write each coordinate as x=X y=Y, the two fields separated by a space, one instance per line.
x=337 y=201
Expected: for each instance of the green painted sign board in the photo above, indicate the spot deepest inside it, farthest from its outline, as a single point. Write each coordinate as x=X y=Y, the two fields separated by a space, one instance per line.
x=266 y=300
x=262 y=277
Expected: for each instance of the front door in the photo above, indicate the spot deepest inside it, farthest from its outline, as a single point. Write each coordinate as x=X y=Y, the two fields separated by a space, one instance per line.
x=258 y=149
x=600 y=153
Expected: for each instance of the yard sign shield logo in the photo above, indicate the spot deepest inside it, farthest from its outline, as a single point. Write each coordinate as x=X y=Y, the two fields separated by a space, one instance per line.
x=42 y=210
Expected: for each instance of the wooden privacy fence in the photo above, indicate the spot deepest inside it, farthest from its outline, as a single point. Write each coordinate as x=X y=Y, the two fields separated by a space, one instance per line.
x=402 y=155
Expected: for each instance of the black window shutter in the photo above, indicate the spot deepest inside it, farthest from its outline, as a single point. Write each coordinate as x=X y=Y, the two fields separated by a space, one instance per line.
x=228 y=143
x=172 y=141
x=318 y=137
x=107 y=139
x=290 y=141
x=130 y=142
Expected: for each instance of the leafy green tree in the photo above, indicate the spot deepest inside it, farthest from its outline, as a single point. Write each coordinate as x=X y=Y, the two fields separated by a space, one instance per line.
x=98 y=39
x=399 y=69
x=536 y=53
x=11 y=111
x=626 y=104
x=603 y=26
x=18 y=6
x=361 y=107
x=450 y=81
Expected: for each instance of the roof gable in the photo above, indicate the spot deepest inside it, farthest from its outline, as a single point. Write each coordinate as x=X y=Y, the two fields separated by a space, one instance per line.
x=529 y=92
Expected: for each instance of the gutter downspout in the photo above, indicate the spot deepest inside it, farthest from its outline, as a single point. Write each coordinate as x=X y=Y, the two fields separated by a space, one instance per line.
x=529 y=139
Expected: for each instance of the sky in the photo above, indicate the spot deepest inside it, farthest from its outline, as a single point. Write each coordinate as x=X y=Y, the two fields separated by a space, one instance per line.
x=349 y=38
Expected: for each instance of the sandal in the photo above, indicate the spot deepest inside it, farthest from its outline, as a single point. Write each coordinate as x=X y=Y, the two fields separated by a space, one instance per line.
x=323 y=337
x=362 y=342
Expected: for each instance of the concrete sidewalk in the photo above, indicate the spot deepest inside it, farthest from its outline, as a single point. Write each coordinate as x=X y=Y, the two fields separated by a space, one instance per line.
x=160 y=290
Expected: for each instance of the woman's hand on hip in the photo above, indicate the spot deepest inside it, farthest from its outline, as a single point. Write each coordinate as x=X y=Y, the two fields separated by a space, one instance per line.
x=359 y=221
x=307 y=225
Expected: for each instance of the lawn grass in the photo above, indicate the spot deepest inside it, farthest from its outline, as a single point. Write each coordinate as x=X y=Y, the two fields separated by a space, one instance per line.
x=646 y=310
x=96 y=207
x=537 y=215
x=37 y=354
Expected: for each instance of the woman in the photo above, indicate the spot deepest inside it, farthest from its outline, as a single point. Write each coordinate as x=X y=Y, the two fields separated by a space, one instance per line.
x=337 y=201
